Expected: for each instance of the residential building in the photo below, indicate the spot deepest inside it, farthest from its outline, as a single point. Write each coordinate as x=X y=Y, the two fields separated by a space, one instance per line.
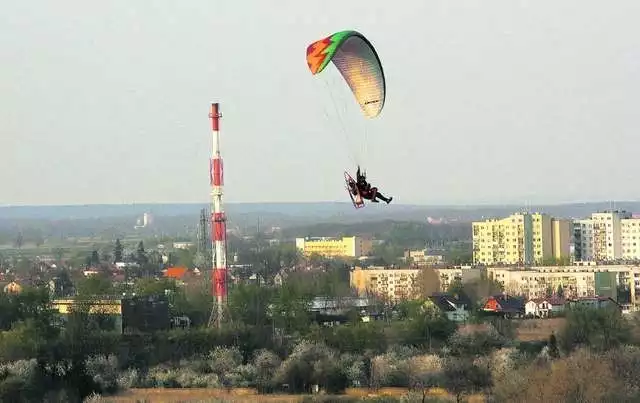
x=179 y=274
x=12 y=288
x=183 y=245
x=630 y=234
x=505 y=305
x=544 y=307
x=353 y=246
x=109 y=306
x=397 y=284
x=594 y=302
x=600 y=237
x=330 y=311
x=521 y=238
x=394 y=284
x=464 y=274
x=454 y=308
x=575 y=281
x=422 y=258
x=561 y=238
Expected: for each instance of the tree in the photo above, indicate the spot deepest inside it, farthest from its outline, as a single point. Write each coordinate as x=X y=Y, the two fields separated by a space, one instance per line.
x=481 y=288
x=270 y=261
x=461 y=376
x=151 y=286
x=461 y=254
x=95 y=258
x=141 y=255
x=118 y=252
x=560 y=291
x=599 y=328
x=426 y=283
x=388 y=253
x=289 y=308
x=96 y=285
x=456 y=287
x=549 y=292
x=249 y=303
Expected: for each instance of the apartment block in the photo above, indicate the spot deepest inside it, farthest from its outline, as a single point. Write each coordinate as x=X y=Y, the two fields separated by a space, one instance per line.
x=394 y=284
x=335 y=247
x=607 y=236
x=522 y=238
x=398 y=284
x=575 y=281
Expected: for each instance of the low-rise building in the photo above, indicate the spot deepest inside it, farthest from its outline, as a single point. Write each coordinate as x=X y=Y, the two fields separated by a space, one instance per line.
x=574 y=281
x=594 y=302
x=454 y=308
x=505 y=305
x=422 y=257
x=352 y=246
x=544 y=307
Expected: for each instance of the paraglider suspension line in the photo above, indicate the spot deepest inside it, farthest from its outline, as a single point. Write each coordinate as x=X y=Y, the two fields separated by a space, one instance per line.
x=343 y=128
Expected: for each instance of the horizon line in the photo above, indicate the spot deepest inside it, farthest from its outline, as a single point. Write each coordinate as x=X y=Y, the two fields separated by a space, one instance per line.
x=476 y=205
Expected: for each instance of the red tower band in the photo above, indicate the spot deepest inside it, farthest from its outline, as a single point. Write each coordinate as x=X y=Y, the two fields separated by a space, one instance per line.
x=218 y=219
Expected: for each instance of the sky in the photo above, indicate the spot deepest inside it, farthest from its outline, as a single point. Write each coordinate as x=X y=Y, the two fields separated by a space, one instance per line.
x=502 y=101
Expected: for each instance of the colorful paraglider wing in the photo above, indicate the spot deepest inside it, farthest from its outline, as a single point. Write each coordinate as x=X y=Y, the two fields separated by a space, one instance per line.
x=356 y=59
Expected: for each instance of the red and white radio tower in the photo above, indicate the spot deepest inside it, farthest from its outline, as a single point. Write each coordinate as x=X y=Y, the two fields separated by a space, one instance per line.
x=218 y=223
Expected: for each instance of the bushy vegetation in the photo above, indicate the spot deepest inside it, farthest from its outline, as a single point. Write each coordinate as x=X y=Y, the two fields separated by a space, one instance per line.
x=593 y=359
x=274 y=344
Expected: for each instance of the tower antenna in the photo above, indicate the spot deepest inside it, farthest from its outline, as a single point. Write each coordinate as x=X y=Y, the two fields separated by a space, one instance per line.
x=218 y=224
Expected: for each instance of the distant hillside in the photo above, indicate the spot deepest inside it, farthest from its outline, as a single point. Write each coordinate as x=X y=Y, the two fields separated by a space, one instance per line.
x=300 y=213
x=411 y=233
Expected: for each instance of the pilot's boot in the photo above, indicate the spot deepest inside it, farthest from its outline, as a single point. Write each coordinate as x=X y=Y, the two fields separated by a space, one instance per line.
x=384 y=199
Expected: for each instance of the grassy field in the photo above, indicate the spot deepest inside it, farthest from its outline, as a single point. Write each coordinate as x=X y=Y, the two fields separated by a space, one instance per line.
x=526 y=329
x=539 y=329
x=250 y=395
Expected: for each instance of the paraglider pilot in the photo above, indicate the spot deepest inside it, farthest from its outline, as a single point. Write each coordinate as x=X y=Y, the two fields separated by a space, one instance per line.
x=367 y=191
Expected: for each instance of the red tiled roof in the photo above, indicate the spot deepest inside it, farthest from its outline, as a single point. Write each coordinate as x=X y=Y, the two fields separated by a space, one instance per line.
x=176 y=272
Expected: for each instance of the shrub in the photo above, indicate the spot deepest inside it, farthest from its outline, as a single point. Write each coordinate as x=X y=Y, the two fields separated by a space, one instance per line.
x=129 y=378
x=312 y=363
x=266 y=363
x=104 y=371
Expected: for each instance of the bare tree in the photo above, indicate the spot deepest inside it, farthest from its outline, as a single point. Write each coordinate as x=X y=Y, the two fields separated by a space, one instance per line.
x=426 y=283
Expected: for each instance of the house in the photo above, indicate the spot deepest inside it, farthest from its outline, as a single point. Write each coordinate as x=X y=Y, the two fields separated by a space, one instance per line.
x=12 y=288
x=594 y=302
x=544 y=307
x=455 y=308
x=107 y=306
x=331 y=311
x=180 y=274
x=504 y=305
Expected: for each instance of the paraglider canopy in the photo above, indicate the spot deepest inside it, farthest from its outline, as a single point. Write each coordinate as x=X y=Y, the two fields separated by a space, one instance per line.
x=357 y=60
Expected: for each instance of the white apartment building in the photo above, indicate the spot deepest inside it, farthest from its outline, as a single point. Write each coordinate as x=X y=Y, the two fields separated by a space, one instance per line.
x=607 y=236
x=630 y=238
x=576 y=281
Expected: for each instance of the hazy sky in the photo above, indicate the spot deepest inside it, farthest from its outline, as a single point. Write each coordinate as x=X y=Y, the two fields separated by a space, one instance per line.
x=487 y=101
